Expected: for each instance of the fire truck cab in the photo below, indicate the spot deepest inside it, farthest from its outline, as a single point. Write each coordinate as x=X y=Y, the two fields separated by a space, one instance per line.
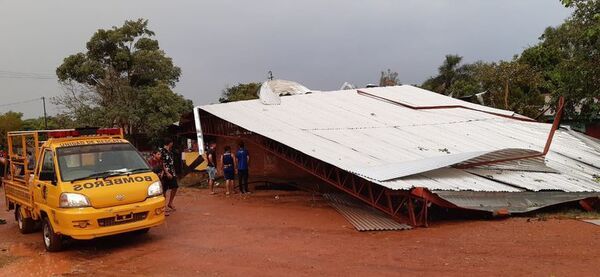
x=80 y=183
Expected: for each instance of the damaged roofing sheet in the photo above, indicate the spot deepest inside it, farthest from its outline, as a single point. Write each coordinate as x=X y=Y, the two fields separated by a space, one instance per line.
x=402 y=147
x=514 y=203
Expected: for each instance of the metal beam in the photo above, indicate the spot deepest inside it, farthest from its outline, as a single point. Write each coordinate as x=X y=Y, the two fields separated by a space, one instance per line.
x=401 y=205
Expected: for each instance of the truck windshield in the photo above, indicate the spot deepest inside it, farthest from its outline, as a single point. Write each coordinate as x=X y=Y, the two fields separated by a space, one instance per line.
x=99 y=160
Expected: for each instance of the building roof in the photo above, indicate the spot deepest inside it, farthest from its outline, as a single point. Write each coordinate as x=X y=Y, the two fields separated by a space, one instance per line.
x=403 y=137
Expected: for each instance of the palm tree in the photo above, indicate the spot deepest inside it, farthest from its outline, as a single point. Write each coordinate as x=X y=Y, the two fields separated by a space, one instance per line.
x=448 y=72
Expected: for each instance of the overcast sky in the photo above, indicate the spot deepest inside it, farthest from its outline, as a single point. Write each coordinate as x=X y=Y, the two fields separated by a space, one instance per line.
x=318 y=43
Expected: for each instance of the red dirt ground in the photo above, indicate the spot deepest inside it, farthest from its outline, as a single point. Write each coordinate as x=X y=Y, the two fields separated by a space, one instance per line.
x=294 y=236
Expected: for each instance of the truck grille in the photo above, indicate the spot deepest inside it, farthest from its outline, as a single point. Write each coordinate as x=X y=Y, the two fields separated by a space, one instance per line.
x=112 y=221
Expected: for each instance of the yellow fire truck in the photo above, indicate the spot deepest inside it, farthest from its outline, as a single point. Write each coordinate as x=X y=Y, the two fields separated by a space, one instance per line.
x=80 y=183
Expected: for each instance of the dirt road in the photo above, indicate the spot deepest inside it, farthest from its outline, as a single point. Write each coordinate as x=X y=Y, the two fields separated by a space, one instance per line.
x=294 y=236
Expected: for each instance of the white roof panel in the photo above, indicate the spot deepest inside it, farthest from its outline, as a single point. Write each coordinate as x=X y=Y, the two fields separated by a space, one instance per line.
x=380 y=140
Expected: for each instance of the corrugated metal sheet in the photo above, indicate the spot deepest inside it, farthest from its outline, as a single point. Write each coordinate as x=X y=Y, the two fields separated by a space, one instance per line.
x=361 y=216
x=520 y=202
x=537 y=164
x=538 y=181
x=593 y=221
x=450 y=179
x=398 y=170
x=370 y=137
x=420 y=98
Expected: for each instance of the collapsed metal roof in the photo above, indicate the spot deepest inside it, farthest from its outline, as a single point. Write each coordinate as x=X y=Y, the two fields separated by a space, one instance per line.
x=404 y=137
x=417 y=145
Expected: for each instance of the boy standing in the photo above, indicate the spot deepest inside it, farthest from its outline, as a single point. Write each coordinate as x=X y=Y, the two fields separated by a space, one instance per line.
x=243 y=158
x=211 y=168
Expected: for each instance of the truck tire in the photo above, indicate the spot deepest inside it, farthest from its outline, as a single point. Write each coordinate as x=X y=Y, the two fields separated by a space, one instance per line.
x=52 y=241
x=26 y=224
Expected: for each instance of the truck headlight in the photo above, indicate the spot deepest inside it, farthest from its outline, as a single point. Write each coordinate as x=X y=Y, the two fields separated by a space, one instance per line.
x=73 y=200
x=155 y=189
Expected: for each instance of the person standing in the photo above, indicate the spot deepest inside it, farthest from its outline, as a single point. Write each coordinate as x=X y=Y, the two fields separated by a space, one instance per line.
x=170 y=177
x=158 y=167
x=243 y=159
x=211 y=167
x=3 y=164
x=228 y=169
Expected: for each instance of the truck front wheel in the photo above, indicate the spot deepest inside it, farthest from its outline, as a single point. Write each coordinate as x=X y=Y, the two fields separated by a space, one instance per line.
x=26 y=224
x=52 y=241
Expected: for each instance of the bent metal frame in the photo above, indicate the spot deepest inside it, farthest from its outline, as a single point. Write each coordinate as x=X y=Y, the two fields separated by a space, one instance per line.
x=405 y=206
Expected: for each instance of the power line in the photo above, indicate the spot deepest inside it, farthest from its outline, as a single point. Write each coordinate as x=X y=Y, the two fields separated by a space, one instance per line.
x=7 y=74
x=20 y=102
x=25 y=73
x=25 y=77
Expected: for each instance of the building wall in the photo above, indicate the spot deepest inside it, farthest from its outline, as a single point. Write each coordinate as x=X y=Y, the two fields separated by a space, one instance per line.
x=593 y=130
x=262 y=163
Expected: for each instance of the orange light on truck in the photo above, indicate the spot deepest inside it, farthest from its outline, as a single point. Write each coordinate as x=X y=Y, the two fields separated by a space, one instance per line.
x=81 y=223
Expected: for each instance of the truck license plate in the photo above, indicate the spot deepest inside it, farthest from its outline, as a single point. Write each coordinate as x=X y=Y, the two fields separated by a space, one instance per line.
x=124 y=217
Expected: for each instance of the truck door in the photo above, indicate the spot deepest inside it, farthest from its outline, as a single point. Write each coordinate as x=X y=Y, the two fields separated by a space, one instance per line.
x=46 y=181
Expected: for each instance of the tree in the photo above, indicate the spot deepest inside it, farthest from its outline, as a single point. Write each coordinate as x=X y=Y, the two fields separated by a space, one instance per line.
x=240 y=92
x=123 y=79
x=9 y=121
x=59 y=121
x=389 y=78
x=568 y=58
x=466 y=81
x=512 y=86
x=448 y=73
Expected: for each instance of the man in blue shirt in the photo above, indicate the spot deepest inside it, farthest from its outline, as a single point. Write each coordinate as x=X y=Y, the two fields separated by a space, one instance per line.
x=243 y=158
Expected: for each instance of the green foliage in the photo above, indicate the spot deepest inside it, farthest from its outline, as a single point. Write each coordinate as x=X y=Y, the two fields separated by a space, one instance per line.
x=123 y=79
x=9 y=121
x=60 y=121
x=455 y=79
x=512 y=86
x=240 y=92
x=566 y=62
x=13 y=121
x=160 y=107
x=389 y=78
x=568 y=58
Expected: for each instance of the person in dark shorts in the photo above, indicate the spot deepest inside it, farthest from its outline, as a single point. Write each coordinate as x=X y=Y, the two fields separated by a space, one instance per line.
x=242 y=160
x=211 y=167
x=170 y=178
x=228 y=169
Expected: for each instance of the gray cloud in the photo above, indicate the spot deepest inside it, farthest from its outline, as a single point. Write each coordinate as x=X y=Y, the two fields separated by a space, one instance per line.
x=318 y=43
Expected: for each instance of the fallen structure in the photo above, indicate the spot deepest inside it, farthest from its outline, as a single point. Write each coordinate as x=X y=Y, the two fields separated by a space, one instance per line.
x=402 y=149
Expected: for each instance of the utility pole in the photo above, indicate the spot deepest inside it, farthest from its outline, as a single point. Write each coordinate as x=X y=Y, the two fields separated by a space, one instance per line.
x=45 y=116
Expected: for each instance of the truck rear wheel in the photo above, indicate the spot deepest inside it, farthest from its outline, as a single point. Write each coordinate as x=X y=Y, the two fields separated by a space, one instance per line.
x=52 y=241
x=26 y=224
